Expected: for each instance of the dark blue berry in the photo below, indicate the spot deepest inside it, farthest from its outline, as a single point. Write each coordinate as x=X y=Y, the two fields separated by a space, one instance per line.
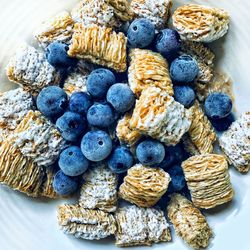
x=121 y=97
x=223 y=124
x=150 y=152
x=184 y=95
x=96 y=145
x=80 y=102
x=71 y=125
x=184 y=69
x=64 y=185
x=178 y=181
x=72 y=161
x=120 y=160
x=99 y=81
x=218 y=105
x=141 y=33
x=52 y=102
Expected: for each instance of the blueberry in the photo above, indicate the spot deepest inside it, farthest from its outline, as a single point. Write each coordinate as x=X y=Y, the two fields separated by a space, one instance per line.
x=168 y=43
x=184 y=95
x=184 y=69
x=80 y=102
x=178 y=181
x=52 y=102
x=218 y=105
x=63 y=184
x=121 y=97
x=72 y=161
x=71 y=125
x=57 y=56
x=223 y=124
x=96 y=145
x=141 y=33
x=150 y=152
x=120 y=160
x=101 y=115
x=99 y=81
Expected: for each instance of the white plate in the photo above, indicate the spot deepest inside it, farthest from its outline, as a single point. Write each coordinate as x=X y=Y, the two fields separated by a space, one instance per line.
x=30 y=224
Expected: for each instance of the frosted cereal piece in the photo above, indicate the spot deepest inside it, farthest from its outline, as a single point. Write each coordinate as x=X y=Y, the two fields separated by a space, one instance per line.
x=124 y=133
x=148 y=68
x=201 y=132
x=157 y=11
x=158 y=115
x=144 y=186
x=85 y=223
x=200 y=23
x=99 y=189
x=204 y=57
x=141 y=226
x=208 y=180
x=14 y=105
x=235 y=143
x=188 y=222
x=99 y=45
x=30 y=69
x=56 y=29
x=37 y=138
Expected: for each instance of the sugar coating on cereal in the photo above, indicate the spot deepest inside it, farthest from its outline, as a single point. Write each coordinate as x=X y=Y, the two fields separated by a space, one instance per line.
x=144 y=186
x=235 y=143
x=188 y=222
x=141 y=226
x=208 y=180
x=85 y=223
x=99 y=189
x=58 y=28
x=99 y=45
x=157 y=11
x=158 y=115
x=146 y=69
x=30 y=69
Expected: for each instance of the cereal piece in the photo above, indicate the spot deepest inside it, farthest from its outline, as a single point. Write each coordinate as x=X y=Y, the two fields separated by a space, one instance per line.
x=14 y=105
x=148 y=68
x=188 y=221
x=200 y=23
x=157 y=11
x=236 y=144
x=37 y=138
x=204 y=57
x=144 y=186
x=201 y=131
x=141 y=226
x=189 y=145
x=124 y=133
x=158 y=115
x=85 y=223
x=208 y=180
x=99 y=45
x=121 y=9
x=220 y=83
x=58 y=28
x=30 y=69
x=99 y=189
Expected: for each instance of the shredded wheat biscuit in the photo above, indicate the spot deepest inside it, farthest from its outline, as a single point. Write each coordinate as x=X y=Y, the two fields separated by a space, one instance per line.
x=141 y=226
x=235 y=143
x=188 y=221
x=157 y=11
x=148 y=68
x=56 y=29
x=99 y=45
x=144 y=186
x=99 y=189
x=85 y=223
x=200 y=23
x=208 y=180
x=158 y=115
x=30 y=69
